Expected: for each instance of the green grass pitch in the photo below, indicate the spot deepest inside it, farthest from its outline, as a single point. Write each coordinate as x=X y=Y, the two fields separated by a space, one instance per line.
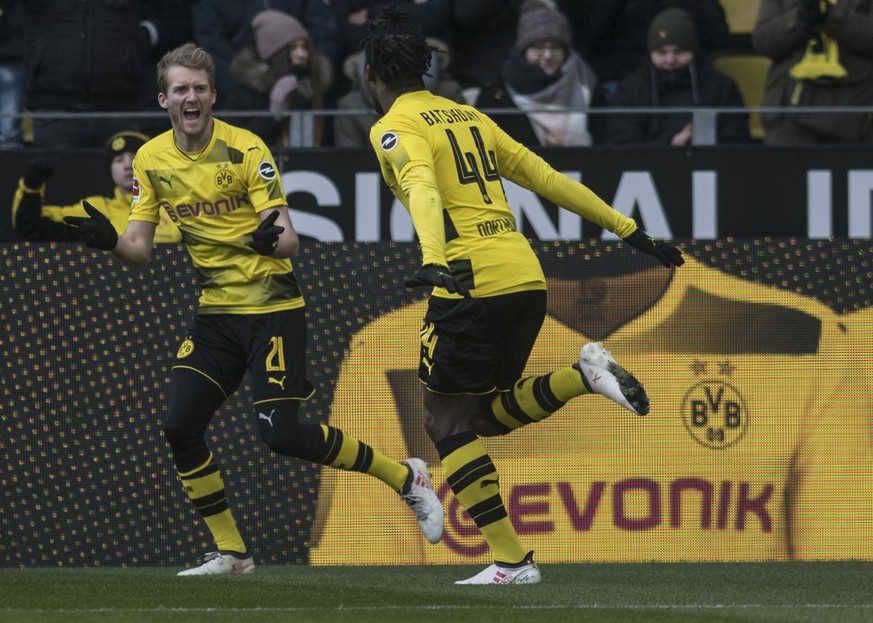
x=653 y=593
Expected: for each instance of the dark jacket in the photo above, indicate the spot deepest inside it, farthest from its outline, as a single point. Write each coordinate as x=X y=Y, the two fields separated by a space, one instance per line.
x=82 y=55
x=483 y=31
x=611 y=34
x=11 y=31
x=778 y=36
x=432 y=16
x=692 y=86
x=224 y=27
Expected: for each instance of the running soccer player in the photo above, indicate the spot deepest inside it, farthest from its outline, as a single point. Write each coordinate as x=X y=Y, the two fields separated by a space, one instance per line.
x=444 y=162
x=219 y=184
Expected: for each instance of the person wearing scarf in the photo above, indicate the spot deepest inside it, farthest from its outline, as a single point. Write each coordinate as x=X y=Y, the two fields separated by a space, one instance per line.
x=544 y=77
x=671 y=78
x=822 y=53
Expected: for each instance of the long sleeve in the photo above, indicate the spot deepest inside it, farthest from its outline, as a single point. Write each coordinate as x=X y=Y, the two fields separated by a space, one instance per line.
x=534 y=173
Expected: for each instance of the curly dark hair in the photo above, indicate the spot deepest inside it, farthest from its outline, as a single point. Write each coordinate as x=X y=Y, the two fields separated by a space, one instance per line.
x=396 y=49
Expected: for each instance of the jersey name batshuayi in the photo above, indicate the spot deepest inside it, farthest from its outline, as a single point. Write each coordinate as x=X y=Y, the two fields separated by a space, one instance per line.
x=214 y=199
x=756 y=448
x=468 y=152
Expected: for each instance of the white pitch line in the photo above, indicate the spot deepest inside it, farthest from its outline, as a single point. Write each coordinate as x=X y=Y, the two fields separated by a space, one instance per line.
x=343 y=608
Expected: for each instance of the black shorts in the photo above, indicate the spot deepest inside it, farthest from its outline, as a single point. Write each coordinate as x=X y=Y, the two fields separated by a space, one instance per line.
x=476 y=346
x=271 y=346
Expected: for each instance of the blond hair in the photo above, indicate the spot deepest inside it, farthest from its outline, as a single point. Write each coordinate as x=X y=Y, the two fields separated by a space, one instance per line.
x=186 y=55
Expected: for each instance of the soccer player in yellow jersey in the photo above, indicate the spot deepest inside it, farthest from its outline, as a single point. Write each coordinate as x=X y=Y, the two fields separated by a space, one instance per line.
x=37 y=222
x=757 y=447
x=220 y=185
x=444 y=162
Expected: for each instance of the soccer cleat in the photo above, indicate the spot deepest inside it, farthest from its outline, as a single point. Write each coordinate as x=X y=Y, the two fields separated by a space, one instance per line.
x=526 y=572
x=418 y=493
x=602 y=375
x=223 y=563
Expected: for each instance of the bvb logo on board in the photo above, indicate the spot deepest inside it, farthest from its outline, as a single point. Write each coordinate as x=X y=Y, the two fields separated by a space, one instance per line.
x=715 y=414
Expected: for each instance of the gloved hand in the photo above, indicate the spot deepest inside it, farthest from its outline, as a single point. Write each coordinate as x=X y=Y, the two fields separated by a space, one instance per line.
x=38 y=172
x=667 y=254
x=812 y=13
x=96 y=230
x=266 y=237
x=436 y=275
x=280 y=91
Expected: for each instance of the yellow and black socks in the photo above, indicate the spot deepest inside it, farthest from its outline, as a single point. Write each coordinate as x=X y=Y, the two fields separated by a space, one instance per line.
x=535 y=398
x=206 y=490
x=347 y=453
x=475 y=483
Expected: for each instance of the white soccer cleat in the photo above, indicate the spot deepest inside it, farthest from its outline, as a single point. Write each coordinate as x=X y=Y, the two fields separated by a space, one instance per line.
x=223 y=563
x=525 y=573
x=602 y=375
x=423 y=501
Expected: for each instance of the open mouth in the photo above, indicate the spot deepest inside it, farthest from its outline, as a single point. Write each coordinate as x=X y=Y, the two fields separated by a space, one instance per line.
x=191 y=114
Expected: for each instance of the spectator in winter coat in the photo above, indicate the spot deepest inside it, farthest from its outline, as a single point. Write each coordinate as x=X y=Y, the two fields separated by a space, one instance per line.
x=612 y=35
x=224 y=27
x=70 y=68
x=672 y=78
x=280 y=72
x=822 y=56
x=543 y=73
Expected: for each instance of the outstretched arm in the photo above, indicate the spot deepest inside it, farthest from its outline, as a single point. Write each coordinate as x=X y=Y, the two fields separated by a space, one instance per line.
x=536 y=174
x=133 y=247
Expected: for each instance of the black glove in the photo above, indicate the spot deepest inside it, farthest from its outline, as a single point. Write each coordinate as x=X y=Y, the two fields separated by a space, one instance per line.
x=436 y=275
x=97 y=232
x=666 y=253
x=38 y=172
x=812 y=13
x=266 y=236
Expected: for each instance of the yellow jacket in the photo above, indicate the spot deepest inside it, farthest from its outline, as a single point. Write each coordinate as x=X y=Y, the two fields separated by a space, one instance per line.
x=35 y=221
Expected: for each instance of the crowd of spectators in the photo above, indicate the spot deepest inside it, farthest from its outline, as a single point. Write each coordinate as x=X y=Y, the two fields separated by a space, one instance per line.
x=548 y=70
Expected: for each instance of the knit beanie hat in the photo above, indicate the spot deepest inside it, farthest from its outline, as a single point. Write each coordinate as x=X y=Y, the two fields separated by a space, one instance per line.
x=125 y=141
x=673 y=26
x=274 y=30
x=540 y=23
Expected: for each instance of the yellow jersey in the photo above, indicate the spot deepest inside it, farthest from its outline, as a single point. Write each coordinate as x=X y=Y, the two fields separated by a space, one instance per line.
x=214 y=198
x=444 y=162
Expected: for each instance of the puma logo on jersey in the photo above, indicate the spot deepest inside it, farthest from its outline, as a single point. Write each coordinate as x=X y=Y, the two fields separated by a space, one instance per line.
x=486 y=482
x=269 y=418
x=279 y=382
x=168 y=182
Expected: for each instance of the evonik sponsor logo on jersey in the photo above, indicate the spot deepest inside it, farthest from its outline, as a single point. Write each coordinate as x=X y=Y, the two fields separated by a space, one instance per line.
x=218 y=207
